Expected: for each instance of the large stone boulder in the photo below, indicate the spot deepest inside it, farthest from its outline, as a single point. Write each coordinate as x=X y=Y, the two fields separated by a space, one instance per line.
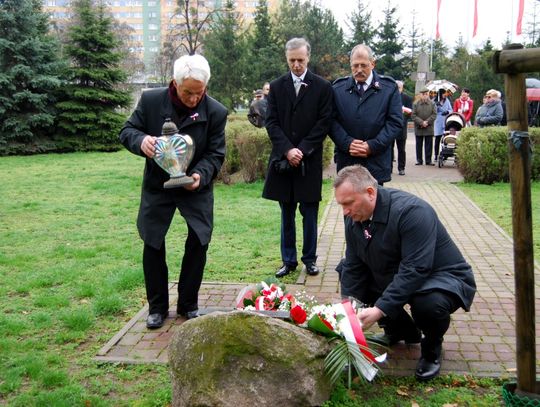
x=246 y=359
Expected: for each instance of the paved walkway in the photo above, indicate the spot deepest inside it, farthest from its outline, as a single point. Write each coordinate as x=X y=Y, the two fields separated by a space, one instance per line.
x=481 y=342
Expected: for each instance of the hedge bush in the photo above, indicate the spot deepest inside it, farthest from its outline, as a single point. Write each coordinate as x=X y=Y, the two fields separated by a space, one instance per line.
x=483 y=157
x=254 y=150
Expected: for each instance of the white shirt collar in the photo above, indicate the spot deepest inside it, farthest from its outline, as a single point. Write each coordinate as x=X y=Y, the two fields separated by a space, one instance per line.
x=301 y=77
x=368 y=80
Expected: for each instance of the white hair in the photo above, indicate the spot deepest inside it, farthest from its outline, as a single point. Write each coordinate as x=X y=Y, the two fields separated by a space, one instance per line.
x=191 y=66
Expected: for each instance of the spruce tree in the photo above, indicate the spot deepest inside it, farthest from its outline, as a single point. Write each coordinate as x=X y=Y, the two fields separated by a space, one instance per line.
x=389 y=46
x=328 y=56
x=359 y=23
x=319 y=27
x=89 y=113
x=224 y=48
x=265 y=58
x=29 y=75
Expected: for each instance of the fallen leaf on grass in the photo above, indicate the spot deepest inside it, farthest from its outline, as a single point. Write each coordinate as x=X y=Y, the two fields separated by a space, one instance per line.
x=402 y=392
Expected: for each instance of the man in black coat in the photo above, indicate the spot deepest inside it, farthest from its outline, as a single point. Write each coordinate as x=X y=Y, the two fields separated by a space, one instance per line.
x=398 y=252
x=401 y=140
x=297 y=122
x=195 y=113
x=367 y=116
x=257 y=109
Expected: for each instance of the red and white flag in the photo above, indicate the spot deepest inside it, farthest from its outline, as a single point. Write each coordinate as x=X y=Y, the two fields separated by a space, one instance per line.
x=520 y=16
x=475 y=21
x=437 y=33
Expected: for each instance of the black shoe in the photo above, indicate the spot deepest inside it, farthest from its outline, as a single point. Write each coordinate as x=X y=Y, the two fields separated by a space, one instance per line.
x=312 y=269
x=284 y=270
x=426 y=370
x=189 y=314
x=390 y=339
x=418 y=163
x=401 y=172
x=155 y=321
x=430 y=163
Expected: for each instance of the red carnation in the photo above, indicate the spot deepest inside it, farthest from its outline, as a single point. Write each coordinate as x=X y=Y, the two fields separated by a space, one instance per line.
x=298 y=315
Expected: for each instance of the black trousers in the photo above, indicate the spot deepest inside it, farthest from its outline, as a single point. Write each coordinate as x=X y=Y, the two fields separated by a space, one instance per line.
x=156 y=275
x=430 y=313
x=437 y=147
x=309 y=212
x=401 y=154
x=428 y=148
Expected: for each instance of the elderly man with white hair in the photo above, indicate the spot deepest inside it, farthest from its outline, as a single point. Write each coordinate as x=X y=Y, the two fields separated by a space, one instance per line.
x=186 y=103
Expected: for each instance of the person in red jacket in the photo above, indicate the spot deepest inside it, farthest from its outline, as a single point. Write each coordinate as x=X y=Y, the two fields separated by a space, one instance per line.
x=464 y=105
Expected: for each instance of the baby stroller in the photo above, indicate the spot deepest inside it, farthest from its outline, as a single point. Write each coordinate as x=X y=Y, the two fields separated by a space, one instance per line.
x=452 y=125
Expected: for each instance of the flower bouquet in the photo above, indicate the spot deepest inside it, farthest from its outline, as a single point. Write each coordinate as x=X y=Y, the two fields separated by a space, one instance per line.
x=338 y=322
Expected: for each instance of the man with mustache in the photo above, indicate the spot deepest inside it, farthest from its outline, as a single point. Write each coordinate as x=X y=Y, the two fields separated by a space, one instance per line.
x=367 y=116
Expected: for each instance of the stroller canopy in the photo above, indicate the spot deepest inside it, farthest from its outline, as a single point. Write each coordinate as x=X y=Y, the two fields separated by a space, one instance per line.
x=454 y=121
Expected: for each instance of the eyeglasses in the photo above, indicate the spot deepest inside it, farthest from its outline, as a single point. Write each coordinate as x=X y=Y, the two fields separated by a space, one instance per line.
x=488 y=96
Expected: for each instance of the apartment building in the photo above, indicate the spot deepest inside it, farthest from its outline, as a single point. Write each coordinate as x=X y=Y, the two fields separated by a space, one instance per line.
x=151 y=20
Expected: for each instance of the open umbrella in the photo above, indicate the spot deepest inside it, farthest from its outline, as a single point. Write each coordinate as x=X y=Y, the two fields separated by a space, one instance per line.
x=442 y=84
x=533 y=94
x=532 y=83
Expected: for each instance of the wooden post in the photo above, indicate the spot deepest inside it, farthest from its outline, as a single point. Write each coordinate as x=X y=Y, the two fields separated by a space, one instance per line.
x=514 y=61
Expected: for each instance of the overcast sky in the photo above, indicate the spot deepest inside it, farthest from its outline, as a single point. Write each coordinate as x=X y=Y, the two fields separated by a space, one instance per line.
x=496 y=18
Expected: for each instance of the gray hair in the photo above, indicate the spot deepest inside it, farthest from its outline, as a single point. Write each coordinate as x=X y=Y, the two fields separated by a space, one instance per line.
x=363 y=47
x=494 y=93
x=358 y=176
x=191 y=66
x=295 y=43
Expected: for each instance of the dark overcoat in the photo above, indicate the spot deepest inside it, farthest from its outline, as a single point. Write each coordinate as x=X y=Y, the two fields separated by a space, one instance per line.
x=406 y=101
x=409 y=252
x=206 y=126
x=302 y=122
x=376 y=117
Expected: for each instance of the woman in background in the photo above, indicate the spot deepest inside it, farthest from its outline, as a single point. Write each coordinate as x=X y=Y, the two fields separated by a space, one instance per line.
x=444 y=107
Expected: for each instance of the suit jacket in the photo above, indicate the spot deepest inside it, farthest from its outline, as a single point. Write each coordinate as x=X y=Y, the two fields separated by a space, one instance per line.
x=409 y=252
x=297 y=121
x=376 y=118
x=207 y=128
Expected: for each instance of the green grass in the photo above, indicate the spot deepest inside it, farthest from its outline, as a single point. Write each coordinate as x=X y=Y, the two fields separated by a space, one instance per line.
x=449 y=390
x=495 y=200
x=70 y=264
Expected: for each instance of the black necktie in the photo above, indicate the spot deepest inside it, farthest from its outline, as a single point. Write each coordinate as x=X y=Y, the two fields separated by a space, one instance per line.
x=361 y=88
